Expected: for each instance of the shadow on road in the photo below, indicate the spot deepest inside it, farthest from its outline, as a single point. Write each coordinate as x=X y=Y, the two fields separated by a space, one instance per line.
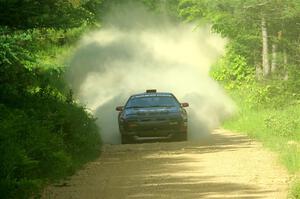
x=213 y=168
x=176 y=170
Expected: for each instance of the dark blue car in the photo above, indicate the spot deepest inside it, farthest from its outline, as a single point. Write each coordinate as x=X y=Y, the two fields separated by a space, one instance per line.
x=152 y=116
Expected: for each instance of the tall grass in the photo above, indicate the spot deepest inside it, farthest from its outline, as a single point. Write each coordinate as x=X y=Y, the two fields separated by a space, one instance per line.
x=277 y=127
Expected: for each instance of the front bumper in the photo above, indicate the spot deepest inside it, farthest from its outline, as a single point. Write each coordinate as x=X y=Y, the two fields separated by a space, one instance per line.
x=154 y=130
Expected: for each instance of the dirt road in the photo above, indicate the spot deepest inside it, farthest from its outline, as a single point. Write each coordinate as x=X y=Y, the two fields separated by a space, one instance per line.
x=230 y=166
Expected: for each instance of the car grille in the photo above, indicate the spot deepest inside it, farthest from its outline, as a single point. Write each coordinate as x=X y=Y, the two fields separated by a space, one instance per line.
x=153 y=124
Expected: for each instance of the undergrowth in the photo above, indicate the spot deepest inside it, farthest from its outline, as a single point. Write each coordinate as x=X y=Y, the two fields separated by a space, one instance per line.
x=44 y=134
x=268 y=110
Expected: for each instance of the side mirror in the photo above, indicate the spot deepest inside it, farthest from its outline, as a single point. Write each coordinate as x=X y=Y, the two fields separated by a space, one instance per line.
x=185 y=104
x=119 y=108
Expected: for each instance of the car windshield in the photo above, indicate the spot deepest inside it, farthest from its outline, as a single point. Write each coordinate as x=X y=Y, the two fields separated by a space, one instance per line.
x=152 y=101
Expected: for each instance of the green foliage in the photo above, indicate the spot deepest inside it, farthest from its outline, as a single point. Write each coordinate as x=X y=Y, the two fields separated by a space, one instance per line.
x=12 y=47
x=44 y=134
x=268 y=110
x=282 y=125
x=277 y=127
x=45 y=139
x=233 y=71
x=273 y=95
x=270 y=104
x=48 y=13
x=295 y=192
x=167 y=8
x=240 y=22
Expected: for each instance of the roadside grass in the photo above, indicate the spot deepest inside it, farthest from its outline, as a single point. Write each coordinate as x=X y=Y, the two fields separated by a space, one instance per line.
x=295 y=190
x=278 y=128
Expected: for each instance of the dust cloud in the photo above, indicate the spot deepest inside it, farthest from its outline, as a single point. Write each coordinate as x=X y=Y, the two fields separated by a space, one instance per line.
x=137 y=50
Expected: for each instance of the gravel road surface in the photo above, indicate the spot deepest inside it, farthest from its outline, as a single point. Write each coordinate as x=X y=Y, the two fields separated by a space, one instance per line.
x=226 y=166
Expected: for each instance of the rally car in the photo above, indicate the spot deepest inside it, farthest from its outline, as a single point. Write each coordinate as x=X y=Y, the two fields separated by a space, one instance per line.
x=152 y=116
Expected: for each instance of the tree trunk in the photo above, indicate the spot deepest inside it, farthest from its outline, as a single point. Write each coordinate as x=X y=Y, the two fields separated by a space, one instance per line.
x=285 y=63
x=274 y=58
x=265 y=51
x=258 y=70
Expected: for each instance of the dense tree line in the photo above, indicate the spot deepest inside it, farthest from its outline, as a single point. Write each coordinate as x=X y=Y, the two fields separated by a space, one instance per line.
x=44 y=134
x=263 y=43
x=266 y=32
x=23 y=14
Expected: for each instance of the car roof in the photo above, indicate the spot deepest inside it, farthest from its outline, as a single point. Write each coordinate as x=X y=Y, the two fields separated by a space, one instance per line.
x=153 y=94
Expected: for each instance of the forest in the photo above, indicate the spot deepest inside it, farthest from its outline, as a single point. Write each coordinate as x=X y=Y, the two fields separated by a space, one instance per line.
x=46 y=135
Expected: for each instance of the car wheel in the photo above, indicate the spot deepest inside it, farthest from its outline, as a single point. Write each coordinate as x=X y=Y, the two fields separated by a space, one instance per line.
x=125 y=139
x=181 y=137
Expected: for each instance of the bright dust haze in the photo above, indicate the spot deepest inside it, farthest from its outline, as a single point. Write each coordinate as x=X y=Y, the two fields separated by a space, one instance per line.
x=136 y=50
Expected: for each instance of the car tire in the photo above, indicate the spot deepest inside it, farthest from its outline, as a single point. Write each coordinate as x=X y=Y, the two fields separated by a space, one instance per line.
x=181 y=137
x=125 y=139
